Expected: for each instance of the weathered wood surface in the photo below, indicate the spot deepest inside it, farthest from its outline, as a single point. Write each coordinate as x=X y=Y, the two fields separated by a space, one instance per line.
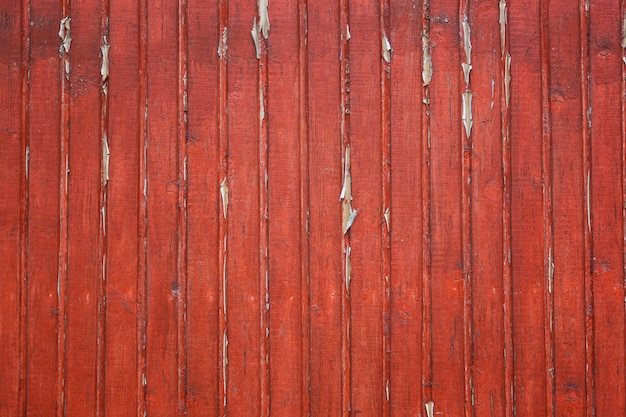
x=325 y=208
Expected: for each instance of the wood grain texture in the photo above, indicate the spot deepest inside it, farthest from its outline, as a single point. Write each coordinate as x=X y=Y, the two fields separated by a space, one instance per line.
x=329 y=208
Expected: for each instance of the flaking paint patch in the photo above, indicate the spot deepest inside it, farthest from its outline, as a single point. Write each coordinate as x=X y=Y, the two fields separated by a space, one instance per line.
x=64 y=34
x=387 y=217
x=348 y=32
x=256 y=37
x=503 y=22
x=264 y=20
x=224 y=277
x=467 y=112
x=348 y=214
x=222 y=48
x=507 y=78
x=27 y=161
x=550 y=271
x=104 y=69
x=387 y=390
x=224 y=363
x=262 y=111
x=105 y=160
x=427 y=66
x=624 y=33
x=348 y=252
x=224 y=194
x=386 y=49
x=467 y=48
x=430 y=409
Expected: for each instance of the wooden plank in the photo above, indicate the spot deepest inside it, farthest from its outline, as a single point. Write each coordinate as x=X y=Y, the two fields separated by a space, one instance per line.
x=242 y=282
x=367 y=282
x=405 y=216
x=203 y=169
x=83 y=211
x=568 y=222
x=163 y=187
x=447 y=268
x=286 y=367
x=606 y=200
x=527 y=208
x=325 y=179
x=13 y=142
x=44 y=165
x=487 y=239
x=122 y=212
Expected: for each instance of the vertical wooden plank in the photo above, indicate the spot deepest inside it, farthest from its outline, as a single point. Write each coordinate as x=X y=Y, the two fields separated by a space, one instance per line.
x=526 y=208
x=426 y=185
x=547 y=181
x=260 y=32
x=325 y=178
x=346 y=208
x=406 y=207
x=181 y=167
x=83 y=224
x=507 y=271
x=122 y=212
x=12 y=183
x=568 y=284
x=203 y=208
x=487 y=252
x=283 y=116
x=243 y=269
x=163 y=184
x=222 y=154
x=142 y=197
x=43 y=218
x=367 y=285
x=446 y=177
x=606 y=194
x=305 y=199
x=385 y=190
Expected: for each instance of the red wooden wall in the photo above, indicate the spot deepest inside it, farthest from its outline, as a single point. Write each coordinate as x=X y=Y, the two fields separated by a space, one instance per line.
x=325 y=208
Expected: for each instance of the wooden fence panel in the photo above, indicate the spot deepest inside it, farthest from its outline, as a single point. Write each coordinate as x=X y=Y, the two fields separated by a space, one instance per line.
x=330 y=208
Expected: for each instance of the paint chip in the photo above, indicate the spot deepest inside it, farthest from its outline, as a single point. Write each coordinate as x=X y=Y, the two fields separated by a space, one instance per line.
x=264 y=20
x=262 y=111
x=467 y=68
x=350 y=221
x=467 y=112
x=223 y=45
x=467 y=47
x=27 y=161
x=386 y=216
x=105 y=160
x=550 y=271
x=507 y=78
x=348 y=214
x=427 y=68
x=104 y=69
x=224 y=193
x=386 y=49
x=64 y=34
x=624 y=33
x=256 y=37
x=503 y=22
x=348 y=32
x=348 y=252
x=430 y=408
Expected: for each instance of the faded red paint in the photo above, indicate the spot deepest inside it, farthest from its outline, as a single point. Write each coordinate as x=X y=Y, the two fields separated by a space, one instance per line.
x=174 y=235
